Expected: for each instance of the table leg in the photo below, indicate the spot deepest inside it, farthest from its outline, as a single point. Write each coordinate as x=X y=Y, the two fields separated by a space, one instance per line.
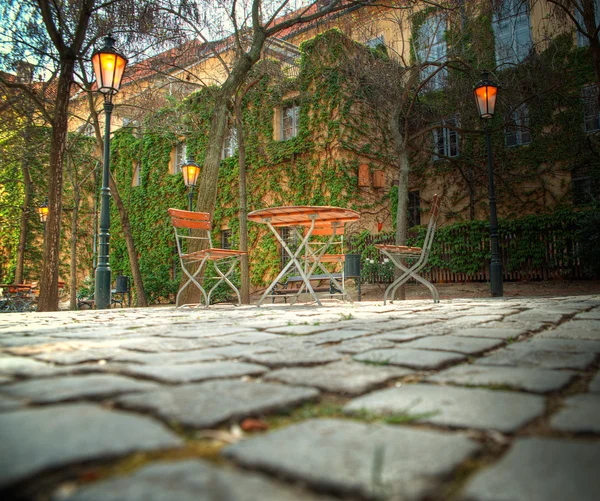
x=292 y=261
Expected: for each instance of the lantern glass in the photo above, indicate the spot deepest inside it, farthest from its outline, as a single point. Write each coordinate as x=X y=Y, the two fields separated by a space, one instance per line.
x=109 y=66
x=486 y=92
x=190 y=171
x=43 y=212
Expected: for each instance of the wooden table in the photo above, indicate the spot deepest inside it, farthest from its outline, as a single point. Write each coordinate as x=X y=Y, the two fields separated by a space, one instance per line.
x=309 y=217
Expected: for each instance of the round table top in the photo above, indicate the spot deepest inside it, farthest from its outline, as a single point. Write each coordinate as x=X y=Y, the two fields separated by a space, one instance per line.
x=302 y=215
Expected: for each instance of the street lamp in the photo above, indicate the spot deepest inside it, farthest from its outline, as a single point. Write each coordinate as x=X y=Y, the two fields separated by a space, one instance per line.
x=190 y=171
x=109 y=66
x=486 y=92
x=43 y=212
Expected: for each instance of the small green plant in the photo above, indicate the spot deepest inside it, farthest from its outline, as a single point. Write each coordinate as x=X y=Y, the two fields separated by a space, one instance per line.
x=346 y=316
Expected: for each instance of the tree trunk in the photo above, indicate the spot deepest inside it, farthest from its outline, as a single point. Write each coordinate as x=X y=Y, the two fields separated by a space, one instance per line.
x=140 y=293
x=209 y=177
x=25 y=215
x=49 y=280
x=74 y=230
x=402 y=209
x=245 y=271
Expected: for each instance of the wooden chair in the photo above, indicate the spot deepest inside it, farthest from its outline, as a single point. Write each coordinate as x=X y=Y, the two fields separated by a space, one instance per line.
x=419 y=255
x=318 y=250
x=196 y=226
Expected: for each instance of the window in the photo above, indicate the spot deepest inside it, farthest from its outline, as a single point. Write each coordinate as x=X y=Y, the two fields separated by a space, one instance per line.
x=591 y=110
x=445 y=140
x=86 y=130
x=225 y=239
x=512 y=32
x=432 y=48
x=583 y=40
x=517 y=131
x=230 y=144
x=586 y=189
x=289 y=121
x=128 y=122
x=137 y=173
x=180 y=157
x=414 y=209
x=288 y=235
x=375 y=42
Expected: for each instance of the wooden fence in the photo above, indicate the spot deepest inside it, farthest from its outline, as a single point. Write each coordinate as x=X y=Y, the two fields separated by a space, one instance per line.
x=559 y=260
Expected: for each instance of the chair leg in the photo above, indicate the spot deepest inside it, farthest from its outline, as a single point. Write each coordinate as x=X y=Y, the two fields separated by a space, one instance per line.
x=225 y=279
x=192 y=279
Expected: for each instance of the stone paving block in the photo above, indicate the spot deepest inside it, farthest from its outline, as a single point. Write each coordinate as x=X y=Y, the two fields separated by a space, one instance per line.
x=186 y=373
x=525 y=355
x=304 y=329
x=350 y=378
x=34 y=440
x=490 y=332
x=400 y=336
x=50 y=390
x=575 y=329
x=338 y=335
x=9 y=404
x=405 y=323
x=595 y=383
x=191 y=480
x=534 y=317
x=79 y=356
x=588 y=315
x=172 y=357
x=411 y=358
x=564 y=345
x=364 y=344
x=292 y=358
x=23 y=366
x=466 y=345
x=252 y=337
x=201 y=330
x=580 y=414
x=240 y=350
x=525 y=378
x=157 y=344
x=351 y=458
x=540 y=469
x=451 y=406
x=471 y=320
x=209 y=404
x=4 y=380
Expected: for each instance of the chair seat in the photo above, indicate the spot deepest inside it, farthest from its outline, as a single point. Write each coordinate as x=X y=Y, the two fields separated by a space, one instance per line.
x=330 y=258
x=213 y=254
x=399 y=249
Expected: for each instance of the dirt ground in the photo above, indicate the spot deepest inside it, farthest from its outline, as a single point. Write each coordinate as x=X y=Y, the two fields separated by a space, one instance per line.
x=374 y=292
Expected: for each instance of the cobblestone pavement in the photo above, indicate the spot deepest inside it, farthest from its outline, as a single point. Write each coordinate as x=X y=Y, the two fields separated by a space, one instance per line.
x=463 y=400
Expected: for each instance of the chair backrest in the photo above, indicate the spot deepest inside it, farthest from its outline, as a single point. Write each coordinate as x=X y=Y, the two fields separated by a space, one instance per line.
x=431 y=227
x=199 y=222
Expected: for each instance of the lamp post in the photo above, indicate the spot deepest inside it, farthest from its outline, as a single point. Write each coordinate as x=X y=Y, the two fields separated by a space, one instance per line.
x=485 y=93
x=42 y=211
x=190 y=171
x=109 y=66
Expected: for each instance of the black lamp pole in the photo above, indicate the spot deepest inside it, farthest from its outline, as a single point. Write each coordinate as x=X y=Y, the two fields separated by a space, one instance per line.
x=109 y=66
x=485 y=95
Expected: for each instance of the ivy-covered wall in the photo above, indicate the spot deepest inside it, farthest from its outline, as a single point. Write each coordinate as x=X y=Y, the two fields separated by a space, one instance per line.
x=318 y=166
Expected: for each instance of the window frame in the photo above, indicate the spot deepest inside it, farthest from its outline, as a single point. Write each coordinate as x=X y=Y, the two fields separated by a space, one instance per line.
x=226 y=238
x=590 y=104
x=180 y=151
x=288 y=235
x=509 y=27
x=518 y=127
x=137 y=174
x=414 y=209
x=583 y=41
x=433 y=44
x=445 y=135
x=295 y=120
x=230 y=144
